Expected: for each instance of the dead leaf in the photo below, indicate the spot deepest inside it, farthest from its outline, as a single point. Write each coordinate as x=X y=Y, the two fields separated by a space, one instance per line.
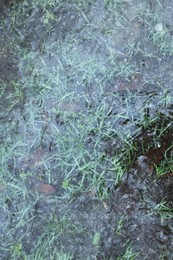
x=46 y=189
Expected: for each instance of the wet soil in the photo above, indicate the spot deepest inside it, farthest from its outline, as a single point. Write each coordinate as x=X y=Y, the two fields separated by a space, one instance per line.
x=133 y=221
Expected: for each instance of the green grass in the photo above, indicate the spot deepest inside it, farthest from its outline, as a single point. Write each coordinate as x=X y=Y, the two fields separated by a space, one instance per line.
x=96 y=239
x=85 y=69
x=164 y=167
x=129 y=254
x=66 y=104
x=52 y=235
x=91 y=165
x=120 y=224
x=164 y=211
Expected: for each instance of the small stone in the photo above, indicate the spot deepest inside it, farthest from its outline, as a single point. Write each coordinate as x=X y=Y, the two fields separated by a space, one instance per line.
x=72 y=17
x=159 y=27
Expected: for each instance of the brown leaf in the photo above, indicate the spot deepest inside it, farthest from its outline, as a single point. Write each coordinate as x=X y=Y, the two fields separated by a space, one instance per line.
x=44 y=188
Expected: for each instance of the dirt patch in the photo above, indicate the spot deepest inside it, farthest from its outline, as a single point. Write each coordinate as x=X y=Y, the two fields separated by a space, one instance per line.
x=86 y=130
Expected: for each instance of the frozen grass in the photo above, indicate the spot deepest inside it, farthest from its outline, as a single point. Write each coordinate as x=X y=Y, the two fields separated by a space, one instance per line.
x=90 y=119
x=129 y=253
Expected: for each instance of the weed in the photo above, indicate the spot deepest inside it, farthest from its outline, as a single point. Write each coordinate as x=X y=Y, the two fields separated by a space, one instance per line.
x=164 y=211
x=46 y=4
x=16 y=248
x=120 y=224
x=166 y=97
x=96 y=239
x=129 y=254
x=164 y=167
x=161 y=39
x=55 y=230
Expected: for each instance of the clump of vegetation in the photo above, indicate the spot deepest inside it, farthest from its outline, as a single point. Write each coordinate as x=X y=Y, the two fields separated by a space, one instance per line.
x=84 y=91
